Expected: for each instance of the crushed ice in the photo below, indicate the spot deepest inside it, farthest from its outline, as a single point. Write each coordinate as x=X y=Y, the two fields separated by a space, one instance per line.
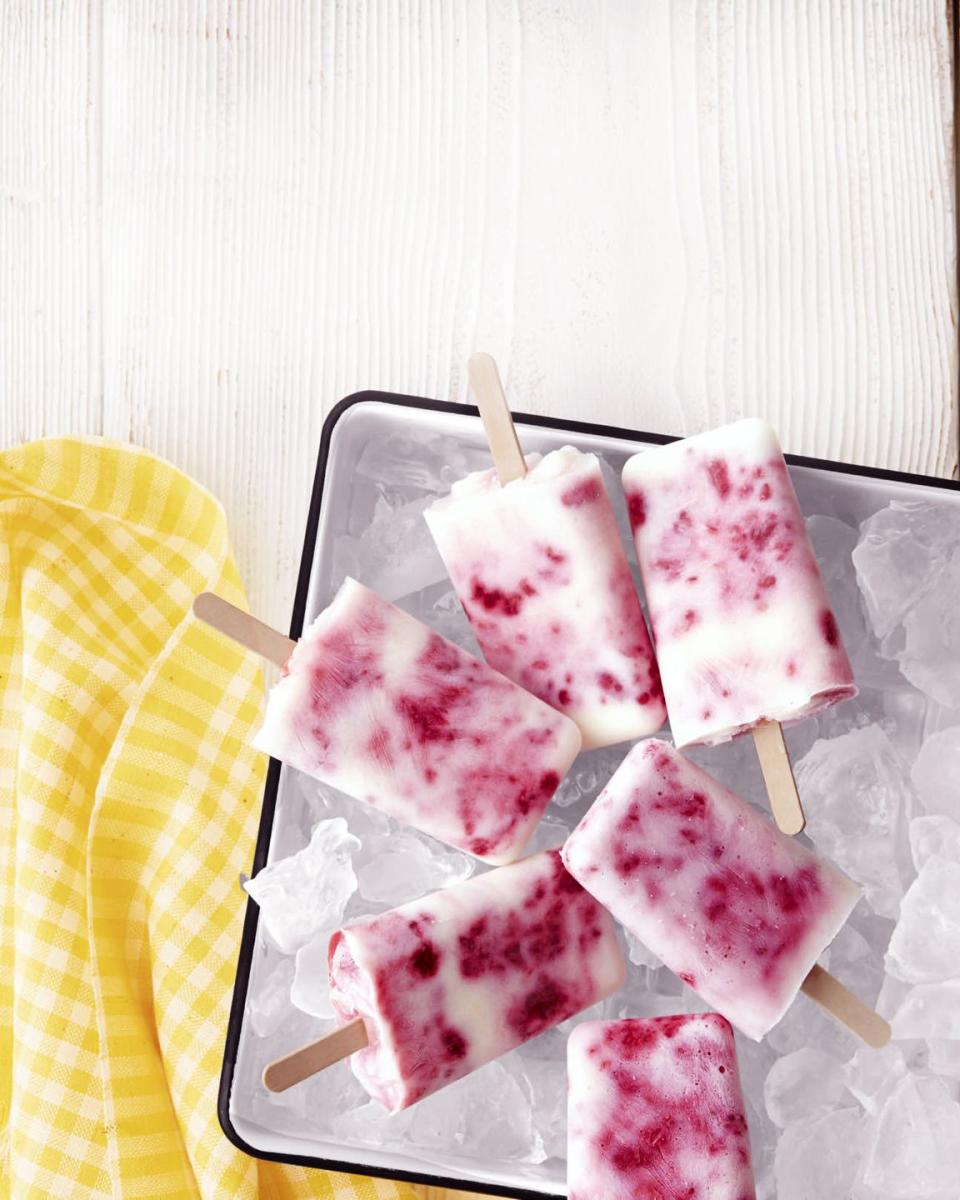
x=301 y=895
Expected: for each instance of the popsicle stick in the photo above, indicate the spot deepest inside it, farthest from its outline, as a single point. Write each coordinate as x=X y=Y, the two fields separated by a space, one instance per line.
x=495 y=414
x=778 y=776
x=242 y=628
x=847 y=1008
x=317 y=1056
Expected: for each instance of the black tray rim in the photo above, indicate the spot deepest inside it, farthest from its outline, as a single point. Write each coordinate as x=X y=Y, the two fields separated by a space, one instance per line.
x=248 y=937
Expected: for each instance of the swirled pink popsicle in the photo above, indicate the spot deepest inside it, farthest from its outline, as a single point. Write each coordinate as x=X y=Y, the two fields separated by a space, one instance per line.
x=734 y=907
x=742 y=624
x=655 y=1110
x=542 y=575
x=447 y=983
x=375 y=703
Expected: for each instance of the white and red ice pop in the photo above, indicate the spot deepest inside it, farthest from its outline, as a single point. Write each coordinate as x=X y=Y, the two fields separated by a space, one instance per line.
x=734 y=907
x=743 y=627
x=442 y=985
x=375 y=703
x=534 y=553
x=655 y=1110
x=745 y=635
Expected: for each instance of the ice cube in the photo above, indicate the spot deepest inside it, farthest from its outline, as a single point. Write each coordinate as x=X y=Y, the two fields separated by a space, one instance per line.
x=544 y=1080
x=817 y=1158
x=871 y=1075
x=931 y=1010
x=915 y=1149
x=550 y=834
x=765 y=1182
x=395 y=555
x=486 y=1115
x=833 y=544
x=307 y=892
x=851 y=957
x=805 y=1023
x=854 y=790
x=801 y=1084
x=309 y=1107
x=413 y=463
x=930 y=657
x=294 y=821
x=900 y=556
x=310 y=990
x=649 y=988
x=442 y=611
x=638 y=953
x=892 y=995
x=369 y=1124
x=908 y=568
x=319 y=801
x=269 y=1004
x=589 y=776
x=405 y=869
x=944 y=1057
x=936 y=773
x=369 y=824
x=755 y=1060
x=903 y=713
x=567 y=794
x=931 y=836
x=925 y=946
x=551 y=1044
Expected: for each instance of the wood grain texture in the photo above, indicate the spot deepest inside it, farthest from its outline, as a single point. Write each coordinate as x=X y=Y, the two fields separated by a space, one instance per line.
x=218 y=217
x=50 y=349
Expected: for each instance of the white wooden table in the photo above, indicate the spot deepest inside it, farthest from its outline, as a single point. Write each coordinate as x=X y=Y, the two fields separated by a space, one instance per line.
x=217 y=218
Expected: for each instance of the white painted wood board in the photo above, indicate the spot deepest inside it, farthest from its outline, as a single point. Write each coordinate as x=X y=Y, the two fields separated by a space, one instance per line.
x=216 y=219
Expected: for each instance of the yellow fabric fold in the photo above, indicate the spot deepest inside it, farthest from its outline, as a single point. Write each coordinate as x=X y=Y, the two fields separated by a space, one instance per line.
x=129 y=805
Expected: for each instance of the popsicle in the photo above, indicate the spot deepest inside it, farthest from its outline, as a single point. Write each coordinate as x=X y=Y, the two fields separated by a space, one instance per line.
x=744 y=631
x=655 y=1110
x=735 y=908
x=440 y=986
x=375 y=703
x=534 y=553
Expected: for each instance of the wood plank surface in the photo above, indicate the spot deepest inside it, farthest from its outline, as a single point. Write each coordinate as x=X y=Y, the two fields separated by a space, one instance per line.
x=219 y=217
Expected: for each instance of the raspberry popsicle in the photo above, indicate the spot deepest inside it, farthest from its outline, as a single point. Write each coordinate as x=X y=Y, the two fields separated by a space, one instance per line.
x=743 y=626
x=744 y=631
x=655 y=1110
x=447 y=983
x=739 y=911
x=542 y=575
x=378 y=705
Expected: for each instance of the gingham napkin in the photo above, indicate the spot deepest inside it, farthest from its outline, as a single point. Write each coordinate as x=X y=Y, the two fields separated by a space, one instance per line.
x=128 y=807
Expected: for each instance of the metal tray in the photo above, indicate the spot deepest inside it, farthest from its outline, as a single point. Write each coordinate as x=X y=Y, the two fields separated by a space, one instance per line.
x=850 y=493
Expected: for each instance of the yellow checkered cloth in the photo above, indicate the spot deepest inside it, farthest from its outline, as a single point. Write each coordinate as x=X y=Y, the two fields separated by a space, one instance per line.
x=129 y=806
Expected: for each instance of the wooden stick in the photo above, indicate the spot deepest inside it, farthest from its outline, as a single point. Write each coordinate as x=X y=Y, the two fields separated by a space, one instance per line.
x=778 y=776
x=848 y=1009
x=242 y=628
x=495 y=414
x=317 y=1056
